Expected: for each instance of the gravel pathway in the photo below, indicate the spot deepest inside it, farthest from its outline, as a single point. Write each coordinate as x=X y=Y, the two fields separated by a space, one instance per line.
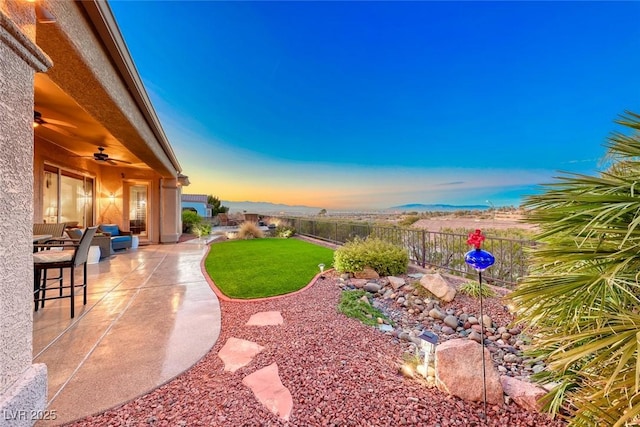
x=339 y=372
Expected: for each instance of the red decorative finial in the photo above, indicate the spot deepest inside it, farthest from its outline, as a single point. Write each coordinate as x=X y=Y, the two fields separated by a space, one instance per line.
x=476 y=238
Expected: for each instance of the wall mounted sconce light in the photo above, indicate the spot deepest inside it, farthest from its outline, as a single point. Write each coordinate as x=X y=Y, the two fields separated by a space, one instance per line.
x=112 y=197
x=43 y=15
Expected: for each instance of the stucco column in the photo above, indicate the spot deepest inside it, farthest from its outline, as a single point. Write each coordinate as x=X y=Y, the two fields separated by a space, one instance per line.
x=23 y=385
x=170 y=211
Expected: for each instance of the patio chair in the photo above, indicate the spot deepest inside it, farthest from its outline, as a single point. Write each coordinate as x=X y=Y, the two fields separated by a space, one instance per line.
x=54 y=230
x=47 y=260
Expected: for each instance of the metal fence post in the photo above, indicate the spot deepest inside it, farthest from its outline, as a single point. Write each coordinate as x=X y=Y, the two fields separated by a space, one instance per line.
x=424 y=249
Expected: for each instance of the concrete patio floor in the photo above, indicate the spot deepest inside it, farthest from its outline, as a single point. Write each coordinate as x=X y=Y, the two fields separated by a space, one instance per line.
x=150 y=315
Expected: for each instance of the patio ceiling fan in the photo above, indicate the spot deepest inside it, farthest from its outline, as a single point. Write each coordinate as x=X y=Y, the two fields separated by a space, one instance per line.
x=52 y=124
x=101 y=156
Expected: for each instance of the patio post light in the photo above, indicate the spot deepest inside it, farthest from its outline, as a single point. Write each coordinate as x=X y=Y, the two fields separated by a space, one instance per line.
x=480 y=260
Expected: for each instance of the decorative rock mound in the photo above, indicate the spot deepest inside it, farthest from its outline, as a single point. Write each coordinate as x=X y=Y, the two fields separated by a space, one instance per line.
x=459 y=371
x=438 y=286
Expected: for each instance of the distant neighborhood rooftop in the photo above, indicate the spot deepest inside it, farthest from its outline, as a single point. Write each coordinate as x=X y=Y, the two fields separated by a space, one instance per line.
x=195 y=198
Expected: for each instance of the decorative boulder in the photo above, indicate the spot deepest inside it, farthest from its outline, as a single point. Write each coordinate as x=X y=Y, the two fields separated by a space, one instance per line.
x=372 y=287
x=366 y=273
x=525 y=394
x=396 y=282
x=437 y=285
x=459 y=371
x=359 y=283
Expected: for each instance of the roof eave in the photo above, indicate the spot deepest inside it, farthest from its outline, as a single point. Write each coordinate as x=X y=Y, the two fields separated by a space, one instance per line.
x=102 y=18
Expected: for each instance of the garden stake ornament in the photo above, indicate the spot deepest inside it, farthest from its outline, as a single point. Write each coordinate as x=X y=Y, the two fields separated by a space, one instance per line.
x=480 y=260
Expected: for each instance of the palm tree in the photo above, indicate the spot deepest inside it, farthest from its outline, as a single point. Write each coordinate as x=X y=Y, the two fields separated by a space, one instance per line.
x=581 y=296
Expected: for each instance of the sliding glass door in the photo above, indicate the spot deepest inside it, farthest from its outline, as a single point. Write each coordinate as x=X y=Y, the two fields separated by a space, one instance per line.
x=67 y=197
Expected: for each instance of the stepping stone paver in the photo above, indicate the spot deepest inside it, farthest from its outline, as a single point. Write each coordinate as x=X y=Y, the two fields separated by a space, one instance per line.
x=265 y=318
x=266 y=385
x=237 y=353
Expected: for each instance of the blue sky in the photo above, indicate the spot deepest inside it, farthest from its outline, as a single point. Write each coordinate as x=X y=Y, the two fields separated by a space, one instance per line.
x=364 y=105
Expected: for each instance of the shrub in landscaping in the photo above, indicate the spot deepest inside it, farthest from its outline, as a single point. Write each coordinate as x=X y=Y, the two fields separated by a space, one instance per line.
x=201 y=229
x=189 y=220
x=249 y=230
x=473 y=289
x=385 y=258
x=408 y=220
x=285 y=231
x=353 y=304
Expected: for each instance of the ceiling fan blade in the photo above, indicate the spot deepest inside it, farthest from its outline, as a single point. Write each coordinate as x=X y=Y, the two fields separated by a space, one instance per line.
x=59 y=123
x=121 y=161
x=111 y=162
x=58 y=129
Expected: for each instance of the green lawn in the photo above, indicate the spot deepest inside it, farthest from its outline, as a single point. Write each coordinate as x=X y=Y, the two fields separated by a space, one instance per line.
x=259 y=268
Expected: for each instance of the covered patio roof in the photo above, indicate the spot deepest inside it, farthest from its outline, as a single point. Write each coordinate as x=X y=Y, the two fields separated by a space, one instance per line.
x=93 y=96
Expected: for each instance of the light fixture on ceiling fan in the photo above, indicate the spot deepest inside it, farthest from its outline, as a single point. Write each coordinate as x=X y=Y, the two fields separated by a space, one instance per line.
x=101 y=156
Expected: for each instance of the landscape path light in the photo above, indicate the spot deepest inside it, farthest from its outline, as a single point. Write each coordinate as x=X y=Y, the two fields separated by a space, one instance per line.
x=321 y=267
x=480 y=260
x=428 y=341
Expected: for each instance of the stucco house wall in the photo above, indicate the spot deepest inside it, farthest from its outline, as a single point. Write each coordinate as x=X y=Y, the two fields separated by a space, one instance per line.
x=23 y=385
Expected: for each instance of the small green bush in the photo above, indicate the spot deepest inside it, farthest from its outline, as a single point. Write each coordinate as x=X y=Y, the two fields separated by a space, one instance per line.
x=473 y=289
x=201 y=229
x=352 y=305
x=385 y=258
x=285 y=231
x=189 y=220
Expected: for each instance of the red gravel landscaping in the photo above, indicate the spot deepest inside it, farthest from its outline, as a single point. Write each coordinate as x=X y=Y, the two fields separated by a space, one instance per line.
x=339 y=372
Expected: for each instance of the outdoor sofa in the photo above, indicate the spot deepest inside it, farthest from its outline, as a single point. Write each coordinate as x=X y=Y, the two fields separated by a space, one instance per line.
x=120 y=239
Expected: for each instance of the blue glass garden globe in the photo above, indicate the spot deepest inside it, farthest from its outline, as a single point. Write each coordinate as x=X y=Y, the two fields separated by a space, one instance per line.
x=479 y=259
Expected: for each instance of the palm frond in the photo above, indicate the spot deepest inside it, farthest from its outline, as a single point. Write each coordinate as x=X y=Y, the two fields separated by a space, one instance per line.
x=581 y=296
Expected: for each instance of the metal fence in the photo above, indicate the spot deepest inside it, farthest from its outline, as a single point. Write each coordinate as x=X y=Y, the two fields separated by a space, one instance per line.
x=428 y=248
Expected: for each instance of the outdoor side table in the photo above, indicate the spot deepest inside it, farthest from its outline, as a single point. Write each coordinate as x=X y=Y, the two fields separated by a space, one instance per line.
x=104 y=242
